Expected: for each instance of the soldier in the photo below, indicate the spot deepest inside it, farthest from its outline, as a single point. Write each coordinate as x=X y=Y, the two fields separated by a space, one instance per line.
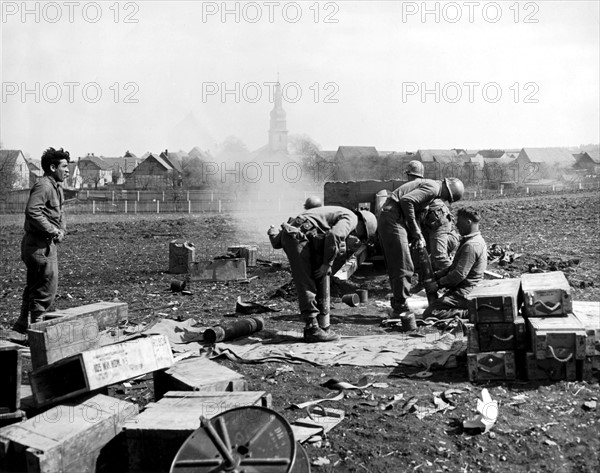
x=397 y=227
x=311 y=242
x=466 y=270
x=436 y=224
x=44 y=229
x=312 y=202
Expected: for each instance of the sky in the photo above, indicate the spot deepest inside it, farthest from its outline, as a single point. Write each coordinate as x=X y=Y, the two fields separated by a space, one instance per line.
x=106 y=77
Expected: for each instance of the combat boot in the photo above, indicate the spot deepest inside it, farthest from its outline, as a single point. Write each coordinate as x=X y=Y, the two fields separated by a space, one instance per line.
x=316 y=334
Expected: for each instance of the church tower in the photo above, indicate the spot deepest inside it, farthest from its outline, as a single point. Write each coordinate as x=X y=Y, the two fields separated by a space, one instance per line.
x=278 y=139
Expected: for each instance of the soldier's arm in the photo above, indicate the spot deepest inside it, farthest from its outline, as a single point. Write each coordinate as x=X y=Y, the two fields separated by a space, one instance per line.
x=338 y=232
x=464 y=262
x=415 y=200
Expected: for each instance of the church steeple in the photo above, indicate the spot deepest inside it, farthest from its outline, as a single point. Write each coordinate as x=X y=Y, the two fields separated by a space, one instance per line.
x=278 y=129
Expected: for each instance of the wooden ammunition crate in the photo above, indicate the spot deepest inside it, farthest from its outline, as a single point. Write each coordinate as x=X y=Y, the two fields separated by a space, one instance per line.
x=197 y=374
x=549 y=369
x=588 y=313
x=497 y=365
x=100 y=367
x=106 y=314
x=495 y=301
x=155 y=436
x=62 y=338
x=10 y=376
x=502 y=336
x=546 y=294
x=560 y=338
x=65 y=439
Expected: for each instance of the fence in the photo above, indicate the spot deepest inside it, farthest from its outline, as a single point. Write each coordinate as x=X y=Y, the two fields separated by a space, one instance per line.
x=99 y=201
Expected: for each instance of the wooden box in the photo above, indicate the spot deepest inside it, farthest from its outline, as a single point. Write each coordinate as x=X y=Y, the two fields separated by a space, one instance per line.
x=155 y=436
x=491 y=366
x=494 y=301
x=197 y=374
x=62 y=338
x=248 y=252
x=557 y=337
x=588 y=313
x=549 y=369
x=100 y=367
x=10 y=377
x=546 y=294
x=503 y=336
x=107 y=314
x=232 y=269
x=64 y=439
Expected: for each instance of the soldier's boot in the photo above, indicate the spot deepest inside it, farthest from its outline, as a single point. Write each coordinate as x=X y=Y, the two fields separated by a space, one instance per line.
x=22 y=322
x=314 y=333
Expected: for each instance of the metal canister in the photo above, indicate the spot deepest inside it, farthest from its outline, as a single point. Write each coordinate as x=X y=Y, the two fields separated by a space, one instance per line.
x=233 y=330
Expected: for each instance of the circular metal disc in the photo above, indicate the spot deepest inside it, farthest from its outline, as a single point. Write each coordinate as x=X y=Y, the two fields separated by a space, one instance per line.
x=244 y=439
x=301 y=462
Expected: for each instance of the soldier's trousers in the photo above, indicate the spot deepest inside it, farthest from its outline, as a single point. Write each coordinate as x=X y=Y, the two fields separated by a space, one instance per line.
x=447 y=306
x=393 y=236
x=40 y=258
x=306 y=255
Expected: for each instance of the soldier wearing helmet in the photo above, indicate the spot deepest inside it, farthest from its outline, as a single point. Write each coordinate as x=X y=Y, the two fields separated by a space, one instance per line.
x=398 y=228
x=312 y=241
x=436 y=224
x=312 y=202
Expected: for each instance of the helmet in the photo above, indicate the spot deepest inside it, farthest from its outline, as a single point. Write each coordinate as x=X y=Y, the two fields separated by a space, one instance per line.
x=415 y=168
x=370 y=222
x=312 y=202
x=456 y=188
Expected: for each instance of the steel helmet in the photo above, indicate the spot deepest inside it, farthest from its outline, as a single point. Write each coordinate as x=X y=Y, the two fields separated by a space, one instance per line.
x=370 y=222
x=455 y=187
x=415 y=168
x=312 y=202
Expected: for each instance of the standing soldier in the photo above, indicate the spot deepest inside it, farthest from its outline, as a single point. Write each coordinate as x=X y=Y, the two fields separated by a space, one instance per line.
x=44 y=229
x=311 y=242
x=397 y=227
x=436 y=224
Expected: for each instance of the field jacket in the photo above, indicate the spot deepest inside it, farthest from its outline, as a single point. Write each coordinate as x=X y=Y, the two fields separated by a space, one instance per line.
x=44 y=211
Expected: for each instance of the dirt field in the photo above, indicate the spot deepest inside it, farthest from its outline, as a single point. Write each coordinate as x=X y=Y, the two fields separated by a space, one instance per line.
x=541 y=427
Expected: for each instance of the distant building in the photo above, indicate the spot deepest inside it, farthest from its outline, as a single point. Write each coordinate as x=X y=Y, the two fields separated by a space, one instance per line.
x=74 y=179
x=588 y=160
x=154 y=172
x=95 y=172
x=278 y=134
x=14 y=170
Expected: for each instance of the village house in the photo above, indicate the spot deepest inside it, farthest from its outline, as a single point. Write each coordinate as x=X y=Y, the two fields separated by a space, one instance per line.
x=439 y=163
x=154 y=172
x=35 y=170
x=74 y=179
x=14 y=170
x=95 y=172
x=543 y=163
x=588 y=161
x=123 y=167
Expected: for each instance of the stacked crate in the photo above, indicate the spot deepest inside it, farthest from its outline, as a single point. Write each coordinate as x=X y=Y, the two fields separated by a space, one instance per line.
x=588 y=313
x=497 y=331
x=10 y=376
x=558 y=338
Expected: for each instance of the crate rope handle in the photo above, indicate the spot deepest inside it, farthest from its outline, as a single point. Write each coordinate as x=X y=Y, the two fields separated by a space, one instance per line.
x=490 y=307
x=503 y=339
x=562 y=360
x=548 y=307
